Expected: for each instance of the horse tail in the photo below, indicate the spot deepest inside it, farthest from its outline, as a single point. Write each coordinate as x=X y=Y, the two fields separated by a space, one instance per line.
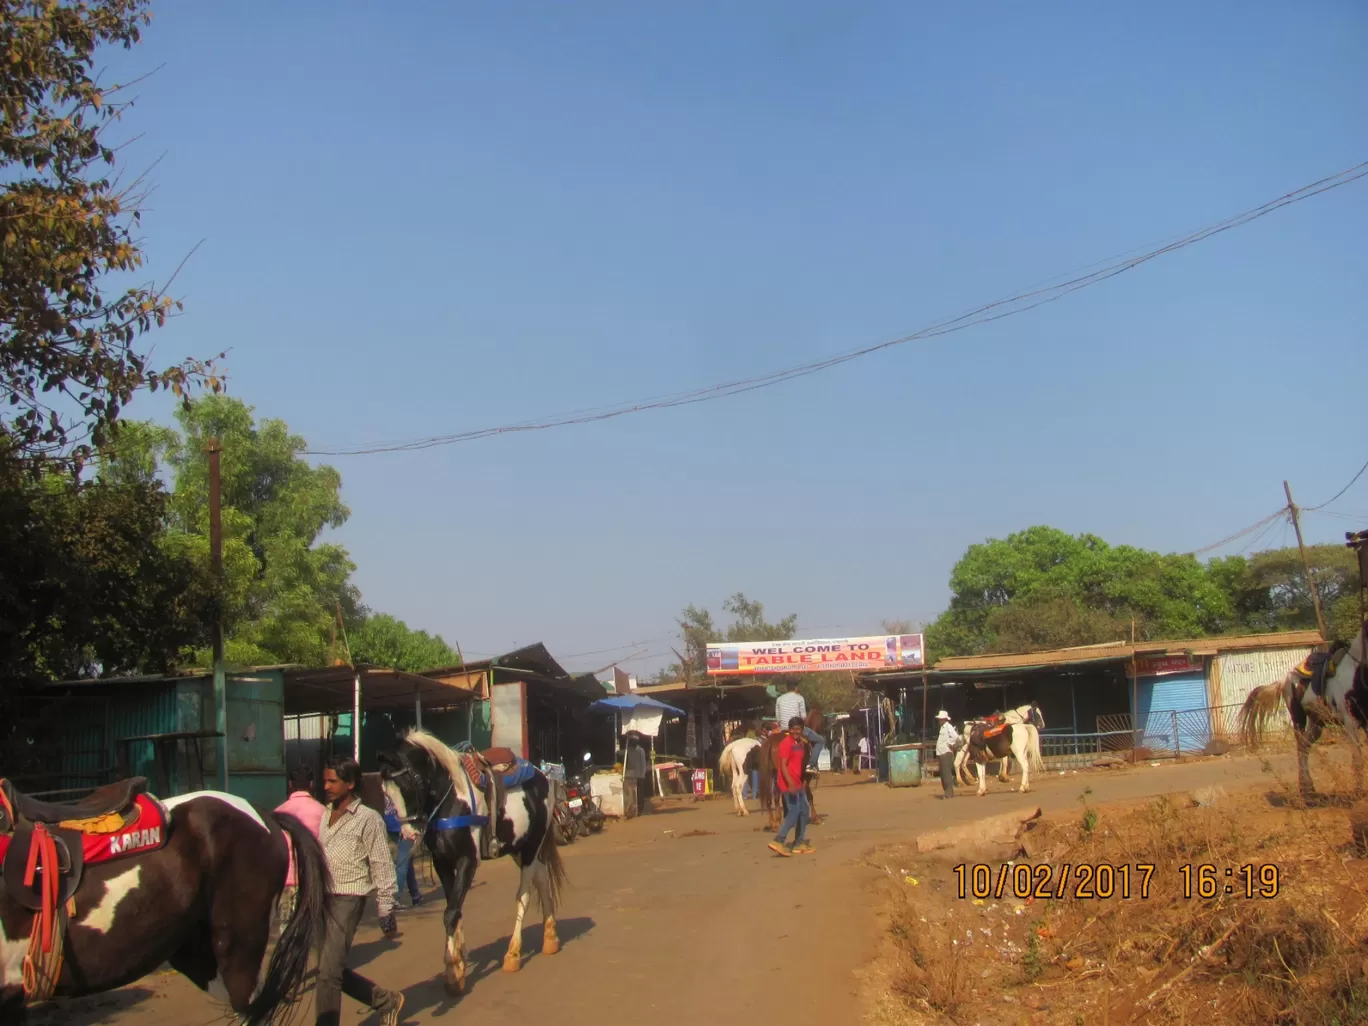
x=1037 y=760
x=1259 y=710
x=724 y=766
x=290 y=959
x=549 y=856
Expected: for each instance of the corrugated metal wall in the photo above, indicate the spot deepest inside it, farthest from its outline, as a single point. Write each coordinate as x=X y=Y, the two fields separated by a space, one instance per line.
x=1235 y=675
x=1161 y=702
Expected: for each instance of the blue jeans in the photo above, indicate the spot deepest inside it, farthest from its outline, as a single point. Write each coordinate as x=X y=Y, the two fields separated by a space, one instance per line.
x=403 y=867
x=795 y=816
x=818 y=743
x=752 y=788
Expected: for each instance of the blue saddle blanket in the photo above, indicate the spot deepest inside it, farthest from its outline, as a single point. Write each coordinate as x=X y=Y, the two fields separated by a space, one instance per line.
x=523 y=771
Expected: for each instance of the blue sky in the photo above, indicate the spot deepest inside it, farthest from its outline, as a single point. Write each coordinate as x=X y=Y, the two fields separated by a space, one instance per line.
x=476 y=214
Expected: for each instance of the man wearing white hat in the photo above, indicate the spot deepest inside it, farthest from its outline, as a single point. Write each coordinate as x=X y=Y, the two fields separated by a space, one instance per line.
x=947 y=742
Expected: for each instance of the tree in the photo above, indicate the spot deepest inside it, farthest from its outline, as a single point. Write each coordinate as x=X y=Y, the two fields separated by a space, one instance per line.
x=86 y=586
x=282 y=583
x=381 y=640
x=1042 y=587
x=70 y=358
x=698 y=630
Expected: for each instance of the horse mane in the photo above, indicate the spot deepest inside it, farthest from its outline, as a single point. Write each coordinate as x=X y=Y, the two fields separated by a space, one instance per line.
x=450 y=761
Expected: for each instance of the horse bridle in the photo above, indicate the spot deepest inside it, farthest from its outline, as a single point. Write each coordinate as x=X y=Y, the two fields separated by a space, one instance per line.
x=445 y=822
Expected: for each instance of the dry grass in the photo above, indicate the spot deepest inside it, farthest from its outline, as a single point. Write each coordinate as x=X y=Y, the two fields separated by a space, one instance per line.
x=1297 y=959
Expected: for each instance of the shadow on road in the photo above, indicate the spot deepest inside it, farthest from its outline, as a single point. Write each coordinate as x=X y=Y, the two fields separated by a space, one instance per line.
x=87 y=1011
x=486 y=960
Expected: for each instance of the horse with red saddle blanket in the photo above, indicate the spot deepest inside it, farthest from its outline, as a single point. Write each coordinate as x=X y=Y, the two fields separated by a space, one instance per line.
x=100 y=892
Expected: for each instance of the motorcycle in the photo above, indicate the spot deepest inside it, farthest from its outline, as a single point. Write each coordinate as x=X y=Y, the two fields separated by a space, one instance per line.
x=581 y=802
x=564 y=819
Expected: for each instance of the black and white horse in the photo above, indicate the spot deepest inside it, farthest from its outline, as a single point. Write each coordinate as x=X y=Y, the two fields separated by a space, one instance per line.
x=434 y=793
x=1343 y=700
x=1019 y=740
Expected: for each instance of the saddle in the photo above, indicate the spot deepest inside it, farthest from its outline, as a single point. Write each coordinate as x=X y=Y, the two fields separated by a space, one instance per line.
x=45 y=848
x=494 y=771
x=1319 y=667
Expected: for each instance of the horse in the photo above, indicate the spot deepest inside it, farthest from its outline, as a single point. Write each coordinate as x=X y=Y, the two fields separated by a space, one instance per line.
x=433 y=788
x=1328 y=687
x=126 y=883
x=1021 y=714
x=734 y=767
x=769 y=785
x=1021 y=740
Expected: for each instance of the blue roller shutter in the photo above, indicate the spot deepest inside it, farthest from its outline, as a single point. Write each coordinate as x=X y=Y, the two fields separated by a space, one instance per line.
x=1160 y=698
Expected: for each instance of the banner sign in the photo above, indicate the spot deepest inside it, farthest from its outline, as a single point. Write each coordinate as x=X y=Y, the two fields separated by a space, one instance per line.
x=882 y=652
x=1159 y=666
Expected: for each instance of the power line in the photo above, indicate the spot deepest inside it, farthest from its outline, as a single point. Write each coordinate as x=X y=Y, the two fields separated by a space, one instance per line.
x=1312 y=509
x=996 y=310
x=1280 y=512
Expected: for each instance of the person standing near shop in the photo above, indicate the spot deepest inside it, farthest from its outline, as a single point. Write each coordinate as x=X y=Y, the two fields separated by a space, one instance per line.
x=789 y=764
x=303 y=806
x=948 y=743
x=639 y=769
x=353 y=839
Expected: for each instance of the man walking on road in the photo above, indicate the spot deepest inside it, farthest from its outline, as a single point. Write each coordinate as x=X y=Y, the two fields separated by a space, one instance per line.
x=947 y=743
x=303 y=806
x=790 y=759
x=353 y=838
x=790 y=705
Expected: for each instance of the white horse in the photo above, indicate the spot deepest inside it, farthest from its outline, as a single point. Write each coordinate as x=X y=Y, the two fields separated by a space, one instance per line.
x=1343 y=700
x=731 y=769
x=1020 y=740
x=1020 y=715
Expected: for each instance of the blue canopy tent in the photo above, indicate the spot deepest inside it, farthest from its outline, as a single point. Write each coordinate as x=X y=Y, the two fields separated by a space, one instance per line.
x=620 y=702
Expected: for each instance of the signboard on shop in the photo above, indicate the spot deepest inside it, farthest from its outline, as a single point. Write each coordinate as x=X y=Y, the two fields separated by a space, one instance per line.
x=876 y=652
x=1163 y=665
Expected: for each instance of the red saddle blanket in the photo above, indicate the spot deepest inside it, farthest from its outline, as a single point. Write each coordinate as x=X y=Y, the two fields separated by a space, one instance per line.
x=144 y=829
x=994 y=730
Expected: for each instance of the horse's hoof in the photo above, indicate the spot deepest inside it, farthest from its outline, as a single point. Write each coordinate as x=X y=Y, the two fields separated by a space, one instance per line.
x=550 y=946
x=512 y=963
x=454 y=987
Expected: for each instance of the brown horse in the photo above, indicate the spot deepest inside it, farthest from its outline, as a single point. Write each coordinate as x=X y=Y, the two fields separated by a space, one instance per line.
x=769 y=782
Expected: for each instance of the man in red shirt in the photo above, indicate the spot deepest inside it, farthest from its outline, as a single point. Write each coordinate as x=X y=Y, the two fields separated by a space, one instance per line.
x=792 y=757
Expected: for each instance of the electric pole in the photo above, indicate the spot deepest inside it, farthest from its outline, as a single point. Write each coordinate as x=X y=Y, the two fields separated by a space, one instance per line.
x=212 y=448
x=1301 y=546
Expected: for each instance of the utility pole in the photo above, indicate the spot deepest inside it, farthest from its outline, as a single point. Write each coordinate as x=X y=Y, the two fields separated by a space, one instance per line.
x=1310 y=578
x=212 y=448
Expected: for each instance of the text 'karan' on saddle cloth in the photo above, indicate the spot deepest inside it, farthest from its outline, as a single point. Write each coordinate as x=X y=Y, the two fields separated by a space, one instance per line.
x=143 y=828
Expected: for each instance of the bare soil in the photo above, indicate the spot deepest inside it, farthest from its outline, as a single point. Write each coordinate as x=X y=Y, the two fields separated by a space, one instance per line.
x=1284 y=942
x=683 y=916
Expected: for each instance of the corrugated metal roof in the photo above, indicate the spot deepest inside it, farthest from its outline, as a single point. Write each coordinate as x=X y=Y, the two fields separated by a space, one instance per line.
x=1114 y=651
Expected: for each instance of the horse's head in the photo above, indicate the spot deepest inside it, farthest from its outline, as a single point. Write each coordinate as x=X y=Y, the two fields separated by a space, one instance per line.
x=1037 y=717
x=412 y=779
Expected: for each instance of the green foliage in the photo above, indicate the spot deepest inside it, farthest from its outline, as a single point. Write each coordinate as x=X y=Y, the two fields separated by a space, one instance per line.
x=748 y=624
x=66 y=222
x=282 y=583
x=1041 y=588
x=87 y=586
x=381 y=640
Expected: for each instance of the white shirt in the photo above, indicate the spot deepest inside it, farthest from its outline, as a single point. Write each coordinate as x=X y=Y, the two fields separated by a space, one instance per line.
x=947 y=739
x=789 y=705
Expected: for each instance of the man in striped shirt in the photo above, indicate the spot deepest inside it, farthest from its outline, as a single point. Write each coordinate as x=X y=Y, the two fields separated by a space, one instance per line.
x=790 y=705
x=354 y=841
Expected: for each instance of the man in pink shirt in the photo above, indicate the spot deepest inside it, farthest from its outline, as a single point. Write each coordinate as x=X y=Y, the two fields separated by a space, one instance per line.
x=302 y=805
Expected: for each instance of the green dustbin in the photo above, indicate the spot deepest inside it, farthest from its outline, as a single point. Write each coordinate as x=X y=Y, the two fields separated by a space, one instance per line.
x=904 y=765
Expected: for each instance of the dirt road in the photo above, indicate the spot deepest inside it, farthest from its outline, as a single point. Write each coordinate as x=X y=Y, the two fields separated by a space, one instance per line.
x=678 y=915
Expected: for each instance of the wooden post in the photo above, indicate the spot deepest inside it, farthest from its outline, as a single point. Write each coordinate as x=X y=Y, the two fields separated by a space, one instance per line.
x=213 y=449
x=1301 y=546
